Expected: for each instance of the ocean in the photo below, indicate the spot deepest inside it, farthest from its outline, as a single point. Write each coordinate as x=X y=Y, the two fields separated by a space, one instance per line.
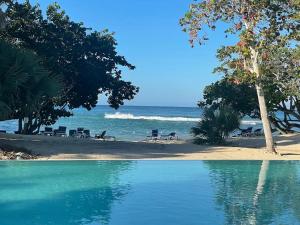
x=132 y=123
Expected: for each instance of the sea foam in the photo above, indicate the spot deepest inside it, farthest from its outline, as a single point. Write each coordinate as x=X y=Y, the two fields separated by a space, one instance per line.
x=129 y=116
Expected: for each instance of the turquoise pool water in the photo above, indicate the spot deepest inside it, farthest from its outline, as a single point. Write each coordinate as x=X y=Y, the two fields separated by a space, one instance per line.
x=149 y=192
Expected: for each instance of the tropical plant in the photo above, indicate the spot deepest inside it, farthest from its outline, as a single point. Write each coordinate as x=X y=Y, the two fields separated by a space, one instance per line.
x=87 y=60
x=259 y=25
x=24 y=83
x=216 y=125
x=282 y=103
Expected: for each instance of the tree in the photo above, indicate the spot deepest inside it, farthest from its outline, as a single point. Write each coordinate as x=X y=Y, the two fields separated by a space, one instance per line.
x=86 y=59
x=216 y=125
x=283 y=88
x=258 y=25
x=283 y=107
x=240 y=96
x=281 y=85
x=24 y=83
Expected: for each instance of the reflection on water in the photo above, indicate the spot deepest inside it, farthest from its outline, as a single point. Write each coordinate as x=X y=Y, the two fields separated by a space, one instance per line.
x=255 y=192
x=75 y=193
x=149 y=192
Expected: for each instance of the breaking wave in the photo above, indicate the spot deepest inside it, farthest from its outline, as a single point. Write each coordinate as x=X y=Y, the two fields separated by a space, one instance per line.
x=129 y=116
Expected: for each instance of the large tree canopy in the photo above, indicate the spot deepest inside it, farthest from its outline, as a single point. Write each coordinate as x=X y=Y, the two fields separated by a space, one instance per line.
x=260 y=27
x=24 y=83
x=86 y=59
x=281 y=85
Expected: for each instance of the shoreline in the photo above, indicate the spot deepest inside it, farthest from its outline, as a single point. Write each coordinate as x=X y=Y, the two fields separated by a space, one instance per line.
x=62 y=148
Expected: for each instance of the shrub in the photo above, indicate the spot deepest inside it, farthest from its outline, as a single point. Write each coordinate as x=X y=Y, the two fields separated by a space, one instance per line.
x=216 y=125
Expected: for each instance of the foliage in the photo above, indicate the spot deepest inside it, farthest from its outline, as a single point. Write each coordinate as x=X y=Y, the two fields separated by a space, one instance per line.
x=240 y=96
x=216 y=125
x=24 y=83
x=86 y=59
x=259 y=23
x=260 y=26
x=282 y=89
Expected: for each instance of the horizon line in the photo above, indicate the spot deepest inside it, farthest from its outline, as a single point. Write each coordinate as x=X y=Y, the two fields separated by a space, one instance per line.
x=151 y=106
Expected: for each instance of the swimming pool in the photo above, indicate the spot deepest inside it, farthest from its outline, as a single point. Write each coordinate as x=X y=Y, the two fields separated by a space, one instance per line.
x=149 y=192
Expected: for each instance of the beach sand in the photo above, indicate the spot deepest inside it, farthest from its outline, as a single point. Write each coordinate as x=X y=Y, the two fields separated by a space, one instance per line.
x=63 y=148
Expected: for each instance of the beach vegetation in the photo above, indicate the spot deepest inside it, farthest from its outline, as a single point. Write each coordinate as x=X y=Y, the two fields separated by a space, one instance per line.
x=282 y=93
x=24 y=83
x=86 y=60
x=260 y=28
x=216 y=125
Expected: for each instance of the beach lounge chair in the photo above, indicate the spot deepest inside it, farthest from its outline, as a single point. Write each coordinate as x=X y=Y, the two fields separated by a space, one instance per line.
x=154 y=135
x=48 y=131
x=258 y=132
x=246 y=132
x=87 y=133
x=72 y=133
x=170 y=136
x=104 y=137
x=80 y=130
x=80 y=133
x=61 y=131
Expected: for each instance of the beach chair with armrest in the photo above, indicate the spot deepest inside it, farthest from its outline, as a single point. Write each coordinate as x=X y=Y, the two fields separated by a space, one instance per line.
x=80 y=132
x=258 y=132
x=170 y=136
x=72 y=133
x=61 y=131
x=48 y=131
x=173 y=136
x=154 y=135
x=104 y=137
x=87 y=133
x=246 y=132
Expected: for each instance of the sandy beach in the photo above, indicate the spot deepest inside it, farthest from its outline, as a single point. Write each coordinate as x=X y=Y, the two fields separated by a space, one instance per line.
x=60 y=148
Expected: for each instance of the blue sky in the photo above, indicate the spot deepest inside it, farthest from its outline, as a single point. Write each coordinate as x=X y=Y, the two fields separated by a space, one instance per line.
x=168 y=71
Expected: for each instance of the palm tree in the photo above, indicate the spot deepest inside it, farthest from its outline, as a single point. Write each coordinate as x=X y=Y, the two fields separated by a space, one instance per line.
x=216 y=125
x=24 y=83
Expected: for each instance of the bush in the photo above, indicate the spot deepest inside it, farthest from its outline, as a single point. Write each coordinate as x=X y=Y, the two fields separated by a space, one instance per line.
x=216 y=125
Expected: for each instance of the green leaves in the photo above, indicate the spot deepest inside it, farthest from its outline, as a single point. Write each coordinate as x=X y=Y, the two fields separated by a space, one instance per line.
x=216 y=125
x=24 y=83
x=86 y=60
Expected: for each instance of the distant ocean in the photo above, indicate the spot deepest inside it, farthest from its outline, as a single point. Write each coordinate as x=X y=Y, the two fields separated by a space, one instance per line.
x=132 y=123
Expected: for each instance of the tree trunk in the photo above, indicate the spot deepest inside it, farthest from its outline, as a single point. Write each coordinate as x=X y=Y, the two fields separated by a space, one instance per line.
x=262 y=104
x=20 y=125
x=265 y=119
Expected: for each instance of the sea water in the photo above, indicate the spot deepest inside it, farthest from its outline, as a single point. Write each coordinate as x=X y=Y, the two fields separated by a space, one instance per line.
x=132 y=123
x=150 y=193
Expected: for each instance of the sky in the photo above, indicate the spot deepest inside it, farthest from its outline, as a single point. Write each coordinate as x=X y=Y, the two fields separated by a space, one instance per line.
x=168 y=71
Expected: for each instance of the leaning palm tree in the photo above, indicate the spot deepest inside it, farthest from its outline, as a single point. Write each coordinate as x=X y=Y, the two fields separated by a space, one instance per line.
x=24 y=82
